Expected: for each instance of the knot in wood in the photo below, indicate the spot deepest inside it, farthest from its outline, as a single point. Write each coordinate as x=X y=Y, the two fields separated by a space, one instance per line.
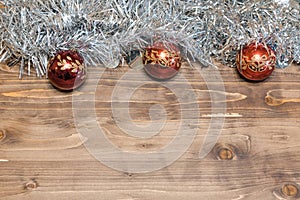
x=290 y=190
x=2 y=135
x=31 y=185
x=226 y=154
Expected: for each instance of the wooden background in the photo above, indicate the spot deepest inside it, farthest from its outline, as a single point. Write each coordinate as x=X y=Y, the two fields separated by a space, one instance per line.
x=256 y=157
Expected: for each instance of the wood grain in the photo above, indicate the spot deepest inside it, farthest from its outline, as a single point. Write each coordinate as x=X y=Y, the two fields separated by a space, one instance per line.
x=42 y=155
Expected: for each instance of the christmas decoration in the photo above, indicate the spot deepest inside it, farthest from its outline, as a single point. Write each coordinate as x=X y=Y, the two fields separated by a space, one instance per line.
x=162 y=61
x=66 y=70
x=103 y=32
x=256 y=61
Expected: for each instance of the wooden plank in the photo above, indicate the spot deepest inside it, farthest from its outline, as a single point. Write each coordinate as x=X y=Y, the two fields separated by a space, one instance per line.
x=42 y=155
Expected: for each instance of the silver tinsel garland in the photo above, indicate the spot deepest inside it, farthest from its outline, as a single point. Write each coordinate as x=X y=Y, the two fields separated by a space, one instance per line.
x=105 y=32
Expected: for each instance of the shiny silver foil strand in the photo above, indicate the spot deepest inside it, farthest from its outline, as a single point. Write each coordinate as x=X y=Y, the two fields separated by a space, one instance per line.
x=104 y=32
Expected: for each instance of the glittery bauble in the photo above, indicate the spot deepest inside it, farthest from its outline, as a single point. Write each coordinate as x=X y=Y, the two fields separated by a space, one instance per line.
x=66 y=70
x=256 y=61
x=162 y=61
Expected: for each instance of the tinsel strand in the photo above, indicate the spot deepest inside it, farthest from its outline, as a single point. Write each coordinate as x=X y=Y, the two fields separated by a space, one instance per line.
x=106 y=31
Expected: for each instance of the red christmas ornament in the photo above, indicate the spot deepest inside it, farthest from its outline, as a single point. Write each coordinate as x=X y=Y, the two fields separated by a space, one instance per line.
x=162 y=62
x=256 y=61
x=66 y=70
